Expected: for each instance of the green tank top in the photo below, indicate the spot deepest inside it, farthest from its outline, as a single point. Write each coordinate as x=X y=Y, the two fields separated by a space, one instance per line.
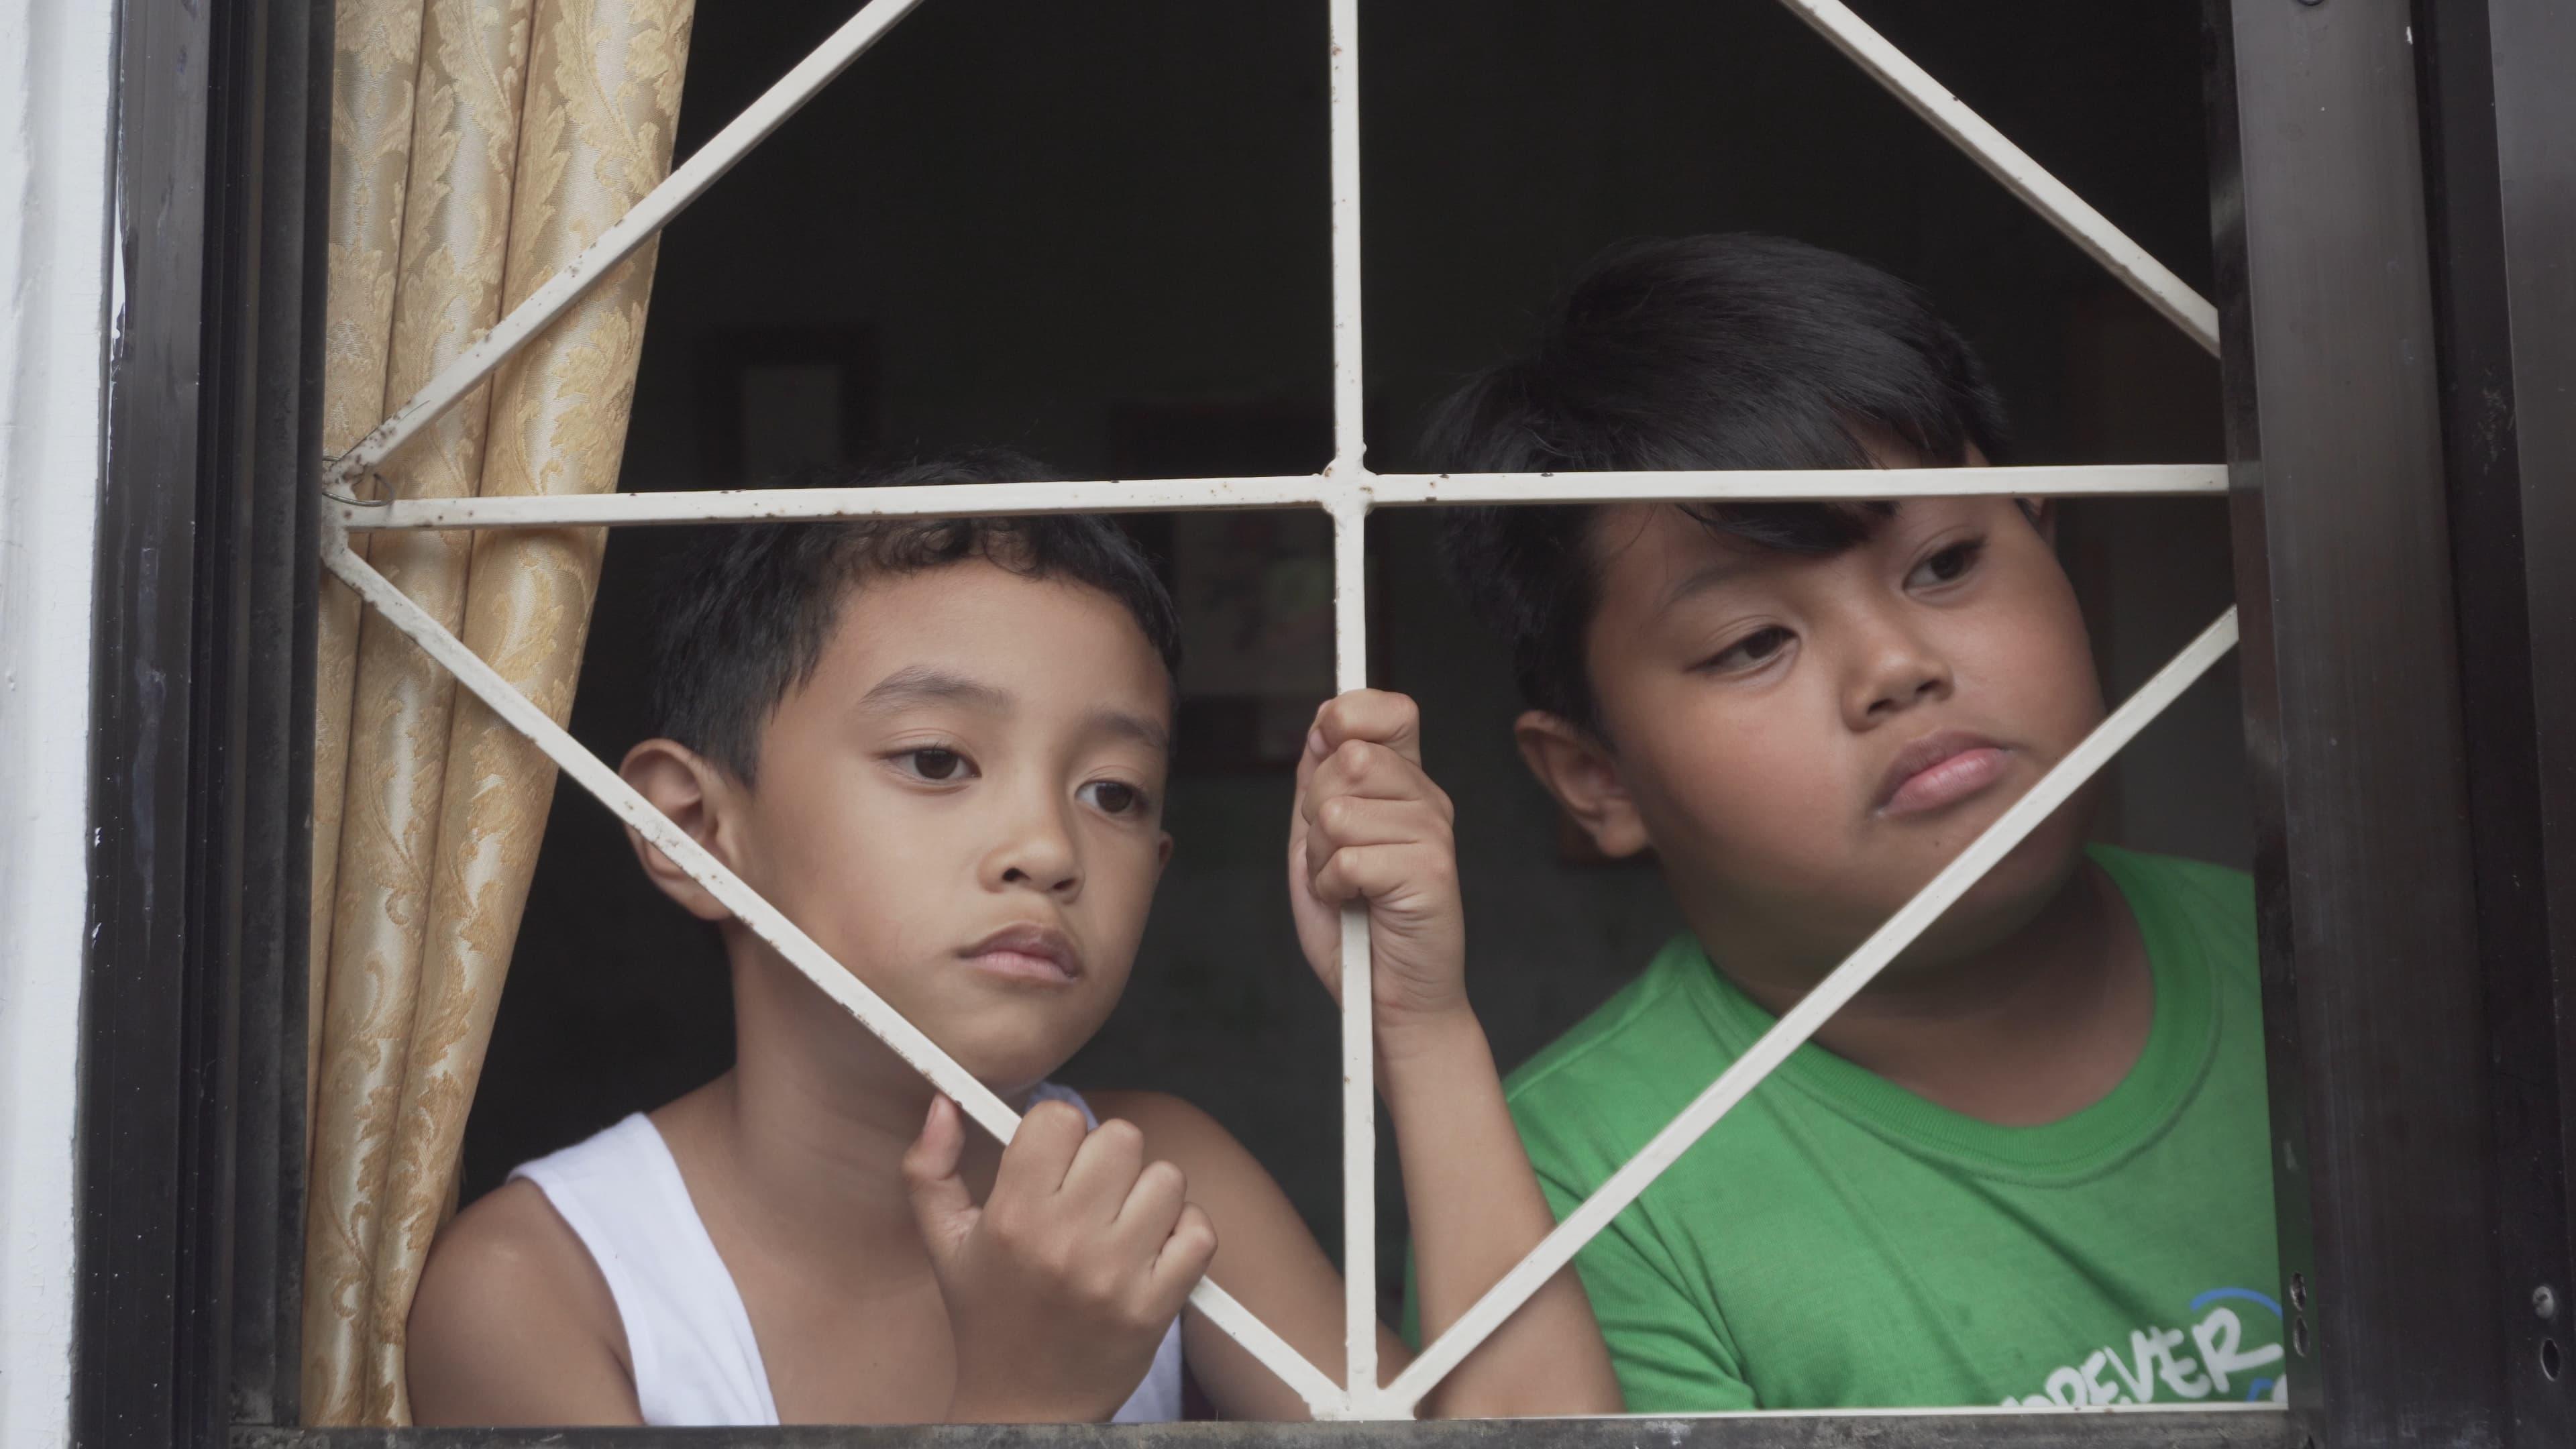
x=1838 y=1242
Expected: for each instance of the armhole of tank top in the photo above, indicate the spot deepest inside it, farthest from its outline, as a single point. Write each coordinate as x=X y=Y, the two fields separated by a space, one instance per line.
x=564 y=1197
x=673 y=1185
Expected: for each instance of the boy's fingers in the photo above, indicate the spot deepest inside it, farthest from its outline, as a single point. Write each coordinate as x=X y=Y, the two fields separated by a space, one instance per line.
x=1035 y=1160
x=1362 y=768
x=1370 y=872
x=1153 y=1208
x=941 y=1206
x=1308 y=760
x=1348 y=820
x=1375 y=715
x=1185 y=1256
x=1316 y=751
x=1104 y=1171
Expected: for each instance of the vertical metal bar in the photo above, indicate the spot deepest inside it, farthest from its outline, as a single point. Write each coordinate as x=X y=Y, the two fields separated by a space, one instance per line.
x=1359 y=1043
x=1350 y=435
x=1349 y=505
x=2373 y=1006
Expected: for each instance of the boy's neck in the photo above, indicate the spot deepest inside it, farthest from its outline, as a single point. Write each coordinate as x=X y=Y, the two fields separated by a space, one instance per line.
x=810 y=1127
x=2034 y=1028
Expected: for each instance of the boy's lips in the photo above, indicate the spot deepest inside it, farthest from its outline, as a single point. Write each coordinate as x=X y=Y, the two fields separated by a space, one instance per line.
x=1027 y=953
x=1939 y=769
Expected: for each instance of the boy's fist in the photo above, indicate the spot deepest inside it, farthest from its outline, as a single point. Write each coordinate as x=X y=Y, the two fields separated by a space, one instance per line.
x=1060 y=1287
x=1370 y=828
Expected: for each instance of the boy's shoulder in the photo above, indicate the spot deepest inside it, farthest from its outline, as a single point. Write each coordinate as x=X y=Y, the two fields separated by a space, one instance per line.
x=1659 y=1002
x=1622 y=1071
x=2214 y=887
x=509 y=1302
x=2213 y=903
x=1171 y=1126
x=1219 y=1167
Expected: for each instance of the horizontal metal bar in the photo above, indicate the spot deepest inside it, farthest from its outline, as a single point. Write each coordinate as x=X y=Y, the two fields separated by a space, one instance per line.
x=1156 y=495
x=2205 y=1426
x=1802 y=1021
x=2009 y=164
x=623 y=236
x=1794 y=484
x=1323 y=1397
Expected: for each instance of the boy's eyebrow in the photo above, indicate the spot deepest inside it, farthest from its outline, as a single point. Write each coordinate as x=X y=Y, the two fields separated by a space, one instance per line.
x=1706 y=577
x=1746 y=555
x=1135 y=727
x=929 y=684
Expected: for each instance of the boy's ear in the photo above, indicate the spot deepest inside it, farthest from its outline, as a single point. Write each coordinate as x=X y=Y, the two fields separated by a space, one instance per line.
x=1578 y=770
x=681 y=784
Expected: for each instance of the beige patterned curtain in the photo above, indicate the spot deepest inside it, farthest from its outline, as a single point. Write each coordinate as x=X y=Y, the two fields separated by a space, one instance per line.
x=477 y=146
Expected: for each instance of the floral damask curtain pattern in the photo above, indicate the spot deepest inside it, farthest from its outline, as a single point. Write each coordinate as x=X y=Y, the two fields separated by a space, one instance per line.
x=477 y=146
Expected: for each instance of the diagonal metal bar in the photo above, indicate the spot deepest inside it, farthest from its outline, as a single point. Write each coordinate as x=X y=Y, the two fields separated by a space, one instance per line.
x=1801 y=1021
x=1156 y=495
x=1323 y=1397
x=2012 y=166
x=638 y=226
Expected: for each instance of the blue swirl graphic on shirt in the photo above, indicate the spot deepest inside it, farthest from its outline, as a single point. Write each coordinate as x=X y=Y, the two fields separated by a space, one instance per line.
x=2248 y=1294
x=2257 y=1388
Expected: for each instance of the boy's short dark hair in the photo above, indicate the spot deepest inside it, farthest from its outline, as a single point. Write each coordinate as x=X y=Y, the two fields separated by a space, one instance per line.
x=746 y=611
x=1706 y=352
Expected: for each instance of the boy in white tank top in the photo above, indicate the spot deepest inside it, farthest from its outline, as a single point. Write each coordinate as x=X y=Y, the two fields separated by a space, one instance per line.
x=940 y=747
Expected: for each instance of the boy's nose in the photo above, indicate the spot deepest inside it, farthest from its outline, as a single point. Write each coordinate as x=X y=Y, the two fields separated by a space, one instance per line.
x=1897 y=672
x=1037 y=854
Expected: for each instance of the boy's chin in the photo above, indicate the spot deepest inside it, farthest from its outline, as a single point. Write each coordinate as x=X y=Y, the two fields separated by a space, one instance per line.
x=2001 y=904
x=1012 y=1062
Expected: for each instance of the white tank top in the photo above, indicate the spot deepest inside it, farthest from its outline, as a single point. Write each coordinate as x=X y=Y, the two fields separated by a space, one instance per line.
x=687 y=1333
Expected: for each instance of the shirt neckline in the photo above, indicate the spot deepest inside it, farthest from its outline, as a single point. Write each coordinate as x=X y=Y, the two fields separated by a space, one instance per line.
x=2181 y=1043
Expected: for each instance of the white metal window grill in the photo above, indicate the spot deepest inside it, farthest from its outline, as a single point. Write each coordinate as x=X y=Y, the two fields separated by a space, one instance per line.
x=1347 y=491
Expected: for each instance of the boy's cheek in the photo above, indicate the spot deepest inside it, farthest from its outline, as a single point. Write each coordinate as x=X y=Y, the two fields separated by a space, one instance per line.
x=1767 y=810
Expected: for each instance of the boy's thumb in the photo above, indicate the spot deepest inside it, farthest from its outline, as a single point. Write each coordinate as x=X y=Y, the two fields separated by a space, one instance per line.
x=941 y=1206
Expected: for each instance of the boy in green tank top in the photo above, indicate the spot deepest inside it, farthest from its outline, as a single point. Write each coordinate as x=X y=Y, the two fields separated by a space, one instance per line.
x=2029 y=1165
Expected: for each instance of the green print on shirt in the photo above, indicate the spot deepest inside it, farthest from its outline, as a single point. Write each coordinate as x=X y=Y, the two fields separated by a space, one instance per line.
x=1833 y=1215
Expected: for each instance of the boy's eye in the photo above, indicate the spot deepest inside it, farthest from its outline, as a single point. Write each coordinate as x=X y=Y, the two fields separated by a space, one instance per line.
x=935 y=764
x=1948 y=565
x=1752 y=649
x=1114 y=797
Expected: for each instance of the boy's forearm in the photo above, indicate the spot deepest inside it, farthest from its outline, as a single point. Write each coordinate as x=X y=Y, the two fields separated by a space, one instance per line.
x=1476 y=1210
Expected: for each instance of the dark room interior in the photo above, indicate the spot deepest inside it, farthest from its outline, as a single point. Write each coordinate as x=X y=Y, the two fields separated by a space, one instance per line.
x=1097 y=233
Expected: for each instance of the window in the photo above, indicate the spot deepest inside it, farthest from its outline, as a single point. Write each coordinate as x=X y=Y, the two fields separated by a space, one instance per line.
x=2268 y=484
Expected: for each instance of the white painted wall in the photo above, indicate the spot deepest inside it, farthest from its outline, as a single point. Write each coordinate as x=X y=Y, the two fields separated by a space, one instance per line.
x=57 y=73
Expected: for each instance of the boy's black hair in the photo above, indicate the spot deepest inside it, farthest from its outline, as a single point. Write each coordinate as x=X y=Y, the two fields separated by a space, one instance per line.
x=1706 y=352
x=746 y=611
